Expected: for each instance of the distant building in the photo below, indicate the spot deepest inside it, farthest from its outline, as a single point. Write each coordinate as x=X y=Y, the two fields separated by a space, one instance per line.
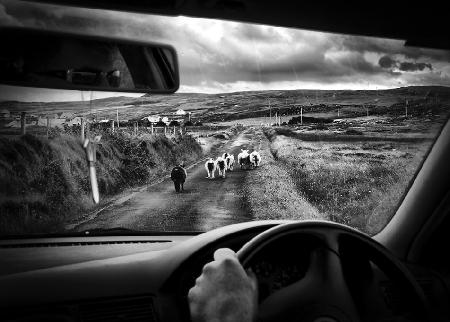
x=152 y=118
x=179 y=116
x=74 y=121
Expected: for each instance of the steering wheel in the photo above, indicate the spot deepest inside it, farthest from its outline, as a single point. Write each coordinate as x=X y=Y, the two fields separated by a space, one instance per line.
x=339 y=284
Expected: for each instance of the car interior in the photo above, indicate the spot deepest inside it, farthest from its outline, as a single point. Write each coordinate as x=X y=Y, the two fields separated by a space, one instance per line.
x=310 y=270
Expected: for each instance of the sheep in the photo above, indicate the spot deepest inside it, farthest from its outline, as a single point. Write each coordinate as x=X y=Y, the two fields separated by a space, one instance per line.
x=230 y=162
x=210 y=167
x=255 y=158
x=244 y=159
x=222 y=166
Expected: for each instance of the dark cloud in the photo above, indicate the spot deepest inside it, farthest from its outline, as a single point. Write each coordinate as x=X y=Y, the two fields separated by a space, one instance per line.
x=390 y=47
x=387 y=62
x=412 y=67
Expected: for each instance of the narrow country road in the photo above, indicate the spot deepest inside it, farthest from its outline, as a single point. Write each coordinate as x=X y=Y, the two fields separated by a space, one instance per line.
x=204 y=205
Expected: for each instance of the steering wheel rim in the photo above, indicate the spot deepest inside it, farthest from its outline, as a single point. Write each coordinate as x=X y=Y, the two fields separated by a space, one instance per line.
x=328 y=295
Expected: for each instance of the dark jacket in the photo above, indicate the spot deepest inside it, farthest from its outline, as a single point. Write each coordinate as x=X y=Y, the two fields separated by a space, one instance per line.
x=178 y=174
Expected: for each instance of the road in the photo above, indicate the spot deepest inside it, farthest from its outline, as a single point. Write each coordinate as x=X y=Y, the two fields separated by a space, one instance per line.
x=204 y=205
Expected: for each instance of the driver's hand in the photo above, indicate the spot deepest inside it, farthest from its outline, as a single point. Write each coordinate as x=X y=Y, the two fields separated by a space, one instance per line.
x=224 y=291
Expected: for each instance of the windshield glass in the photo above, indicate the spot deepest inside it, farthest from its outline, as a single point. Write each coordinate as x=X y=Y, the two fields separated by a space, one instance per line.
x=269 y=123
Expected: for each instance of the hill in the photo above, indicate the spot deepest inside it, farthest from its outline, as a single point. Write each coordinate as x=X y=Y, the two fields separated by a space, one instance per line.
x=229 y=106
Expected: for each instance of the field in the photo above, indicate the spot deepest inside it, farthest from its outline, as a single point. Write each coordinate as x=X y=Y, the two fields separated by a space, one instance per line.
x=358 y=182
x=424 y=101
x=351 y=159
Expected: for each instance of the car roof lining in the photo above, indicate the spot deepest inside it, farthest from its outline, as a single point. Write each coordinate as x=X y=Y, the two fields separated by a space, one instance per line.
x=385 y=19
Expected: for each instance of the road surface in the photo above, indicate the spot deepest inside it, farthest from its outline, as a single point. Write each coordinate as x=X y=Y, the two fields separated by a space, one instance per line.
x=204 y=205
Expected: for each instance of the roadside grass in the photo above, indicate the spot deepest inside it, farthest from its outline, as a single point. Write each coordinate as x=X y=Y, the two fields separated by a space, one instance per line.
x=355 y=183
x=270 y=190
x=45 y=182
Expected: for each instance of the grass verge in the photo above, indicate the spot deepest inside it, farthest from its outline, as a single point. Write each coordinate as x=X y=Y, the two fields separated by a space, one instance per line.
x=355 y=183
x=271 y=192
x=45 y=182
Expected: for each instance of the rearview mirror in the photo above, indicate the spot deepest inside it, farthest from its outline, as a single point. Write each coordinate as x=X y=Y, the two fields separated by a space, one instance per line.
x=68 y=61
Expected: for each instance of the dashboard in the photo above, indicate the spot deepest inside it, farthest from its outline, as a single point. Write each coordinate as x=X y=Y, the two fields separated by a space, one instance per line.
x=147 y=278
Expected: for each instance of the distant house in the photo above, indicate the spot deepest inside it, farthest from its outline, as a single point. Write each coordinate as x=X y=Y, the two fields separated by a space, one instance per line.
x=74 y=121
x=152 y=118
x=180 y=112
x=165 y=119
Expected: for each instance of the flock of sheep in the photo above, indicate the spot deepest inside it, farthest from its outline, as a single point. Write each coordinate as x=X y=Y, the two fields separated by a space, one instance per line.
x=225 y=163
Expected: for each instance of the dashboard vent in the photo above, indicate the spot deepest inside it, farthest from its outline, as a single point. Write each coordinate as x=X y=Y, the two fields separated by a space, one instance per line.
x=131 y=309
x=84 y=243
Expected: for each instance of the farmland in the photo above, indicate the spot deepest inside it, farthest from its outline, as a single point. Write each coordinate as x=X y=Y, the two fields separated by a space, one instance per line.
x=346 y=156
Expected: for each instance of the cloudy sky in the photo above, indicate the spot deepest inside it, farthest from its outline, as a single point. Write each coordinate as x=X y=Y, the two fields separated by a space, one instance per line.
x=222 y=56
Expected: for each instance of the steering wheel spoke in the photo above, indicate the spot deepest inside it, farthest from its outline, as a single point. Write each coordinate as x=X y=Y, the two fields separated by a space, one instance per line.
x=323 y=292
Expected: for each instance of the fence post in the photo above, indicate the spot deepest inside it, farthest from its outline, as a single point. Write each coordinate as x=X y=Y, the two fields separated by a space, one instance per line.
x=151 y=127
x=23 y=123
x=83 y=136
x=174 y=128
x=48 y=126
x=165 y=130
x=135 y=128
x=112 y=126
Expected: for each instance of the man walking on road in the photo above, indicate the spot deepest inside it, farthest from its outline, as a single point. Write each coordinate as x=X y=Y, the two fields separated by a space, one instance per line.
x=178 y=176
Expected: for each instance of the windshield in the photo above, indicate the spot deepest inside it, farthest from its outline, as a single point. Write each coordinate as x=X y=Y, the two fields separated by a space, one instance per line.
x=269 y=123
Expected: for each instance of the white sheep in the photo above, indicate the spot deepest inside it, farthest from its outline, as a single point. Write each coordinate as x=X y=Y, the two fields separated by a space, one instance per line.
x=244 y=158
x=230 y=162
x=222 y=166
x=210 y=167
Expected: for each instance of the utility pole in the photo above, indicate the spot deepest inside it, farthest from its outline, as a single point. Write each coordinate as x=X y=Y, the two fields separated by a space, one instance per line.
x=23 y=123
x=270 y=114
x=301 y=115
x=117 y=115
x=48 y=126
x=83 y=136
x=406 y=108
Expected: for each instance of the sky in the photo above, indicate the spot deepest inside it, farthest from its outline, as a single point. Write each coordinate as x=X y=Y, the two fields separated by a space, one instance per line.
x=223 y=56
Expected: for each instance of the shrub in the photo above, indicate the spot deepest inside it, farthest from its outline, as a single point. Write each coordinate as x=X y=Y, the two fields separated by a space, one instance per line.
x=353 y=132
x=45 y=182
